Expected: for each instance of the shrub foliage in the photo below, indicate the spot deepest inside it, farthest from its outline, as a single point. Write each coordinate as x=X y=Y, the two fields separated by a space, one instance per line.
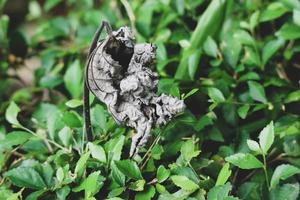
x=235 y=64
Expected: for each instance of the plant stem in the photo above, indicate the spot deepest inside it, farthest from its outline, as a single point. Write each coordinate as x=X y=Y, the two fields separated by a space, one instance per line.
x=265 y=171
x=47 y=140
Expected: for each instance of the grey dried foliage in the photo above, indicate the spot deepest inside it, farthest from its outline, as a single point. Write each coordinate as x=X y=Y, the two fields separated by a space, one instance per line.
x=119 y=74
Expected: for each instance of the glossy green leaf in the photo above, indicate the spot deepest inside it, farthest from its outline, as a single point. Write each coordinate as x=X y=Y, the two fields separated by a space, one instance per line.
x=11 y=114
x=184 y=183
x=129 y=168
x=257 y=92
x=243 y=111
x=244 y=161
x=289 y=32
x=162 y=174
x=266 y=138
x=224 y=174
x=271 y=48
x=282 y=172
x=210 y=47
x=26 y=177
x=73 y=79
x=97 y=152
x=216 y=95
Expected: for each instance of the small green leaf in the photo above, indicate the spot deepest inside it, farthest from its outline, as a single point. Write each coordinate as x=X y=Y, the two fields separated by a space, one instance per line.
x=224 y=174
x=97 y=152
x=12 y=113
x=188 y=151
x=162 y=174
x=184 y=183
x=289 y=32
x=129 y=168
x=244 y=37
x=147 y=194
x=292 y=97
x=73 y=103
x=137 y=185
x=270 y=49
x=283 y=172
x=219 y=192
x=210 y=47
x=266 y=137
x=73 y=79
x=65 y=136
x=286 y=192
x=72 y=119
x=26 y=177
x=81 y=164
x=117 y=175
x=296 y=16
x=91 y=185
x=216 y=95
x=243 y=110
x=257 y=91
x=253 y=146
x=244 y=161
x=14 y=138
x=273 y=11
x=190 y=93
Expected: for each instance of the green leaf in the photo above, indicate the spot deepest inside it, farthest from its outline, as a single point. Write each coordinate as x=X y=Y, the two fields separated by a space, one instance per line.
x=73 y=79
x=190 y=93
x=296 y=17
x=73 y=103
x=224 y=174
x=207 y=25
x=91 y=185
x=289 y=32
x=162 y=174
x=184 y=183
x=231 y=48
x=219 y=192
x=243 y=110
x=210 y=47
x=65 y=136
x=129 y=168
x=292 y=97
x=270 y=49
x=283 y=172
x=244 y=37
x=26 y=177
x=137 y=185
x=244 y=161
x=34 y=195
x=253 y=146
x=117 y=175
x=188 y=151
x=285 y=192
x=273 y=11
x=12 y=113
x=257 y=91
x=72 y=119
x=81 y=164
x=14 y=138
x=266 y=138
x=147 y=194
x=216 y=95
x=97 y=152
x=114 y=147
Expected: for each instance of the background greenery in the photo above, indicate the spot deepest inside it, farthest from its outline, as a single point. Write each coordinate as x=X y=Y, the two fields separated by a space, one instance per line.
x=235 y=63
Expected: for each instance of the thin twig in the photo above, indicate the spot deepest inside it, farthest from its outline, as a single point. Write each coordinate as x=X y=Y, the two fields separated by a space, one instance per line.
x=43 y=138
